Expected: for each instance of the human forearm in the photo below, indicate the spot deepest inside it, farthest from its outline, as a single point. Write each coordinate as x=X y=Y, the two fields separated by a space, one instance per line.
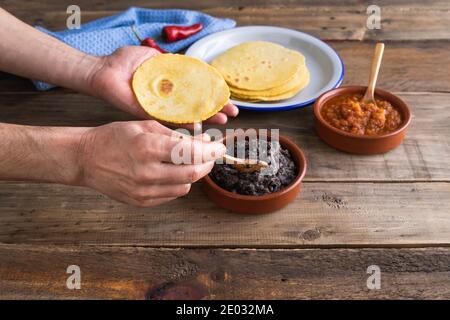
x=129 y=161
x=27 y=52
x=40 y=153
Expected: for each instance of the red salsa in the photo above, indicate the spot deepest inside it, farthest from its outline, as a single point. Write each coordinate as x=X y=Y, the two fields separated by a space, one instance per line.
x=348 y=113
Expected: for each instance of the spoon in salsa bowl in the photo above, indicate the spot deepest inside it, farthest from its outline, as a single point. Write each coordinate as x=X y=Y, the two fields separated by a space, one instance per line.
x=369 y=96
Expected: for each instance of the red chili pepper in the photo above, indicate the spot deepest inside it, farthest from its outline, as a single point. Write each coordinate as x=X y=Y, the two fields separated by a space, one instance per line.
x=149 y=42
x=175 y=33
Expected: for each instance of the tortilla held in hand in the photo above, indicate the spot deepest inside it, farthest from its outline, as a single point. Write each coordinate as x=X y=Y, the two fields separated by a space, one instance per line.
x=179 y=89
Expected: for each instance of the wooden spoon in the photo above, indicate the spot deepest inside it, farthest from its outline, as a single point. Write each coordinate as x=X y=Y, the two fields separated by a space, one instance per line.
x=243 y=165
x=246 y=165
x=369 y=96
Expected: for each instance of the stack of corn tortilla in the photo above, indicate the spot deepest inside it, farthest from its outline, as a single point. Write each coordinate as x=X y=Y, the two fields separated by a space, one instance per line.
x=262 y=71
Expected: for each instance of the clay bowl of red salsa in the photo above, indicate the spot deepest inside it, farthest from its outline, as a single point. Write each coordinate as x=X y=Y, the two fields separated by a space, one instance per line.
x=266 y=203
x=344 y=122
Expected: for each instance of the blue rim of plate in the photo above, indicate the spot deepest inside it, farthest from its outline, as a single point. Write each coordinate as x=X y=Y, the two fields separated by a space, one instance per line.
x=298 y=105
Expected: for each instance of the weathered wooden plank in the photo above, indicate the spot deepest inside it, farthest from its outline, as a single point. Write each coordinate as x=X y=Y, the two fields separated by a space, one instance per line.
x=412 y=20
x=407 y=66
x=340 y=24
x=324 y=214
x=55 y=5
x=424 y=155
x=427 y=67
x=39 y=272
x=11 y=83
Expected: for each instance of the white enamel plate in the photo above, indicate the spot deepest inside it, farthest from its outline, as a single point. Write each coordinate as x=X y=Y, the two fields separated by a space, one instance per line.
x=324 y=64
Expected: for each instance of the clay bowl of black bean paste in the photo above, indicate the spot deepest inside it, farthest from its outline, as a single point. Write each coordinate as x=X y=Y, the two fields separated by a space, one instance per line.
x=264 y=191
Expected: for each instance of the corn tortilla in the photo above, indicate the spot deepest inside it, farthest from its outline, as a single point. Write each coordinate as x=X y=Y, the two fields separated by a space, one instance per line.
x=282 y=96
x=179 y=89
x=258 y=65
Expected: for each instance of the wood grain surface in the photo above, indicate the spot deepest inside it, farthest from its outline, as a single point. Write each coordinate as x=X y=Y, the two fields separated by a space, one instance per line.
x=388 y=210
x=147 y=273
x=343 y=20
x=426 y=68
x=424 y=155
x=325 y=214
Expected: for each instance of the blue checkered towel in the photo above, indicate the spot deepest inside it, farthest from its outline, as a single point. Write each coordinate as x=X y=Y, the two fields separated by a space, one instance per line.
x=103 y=36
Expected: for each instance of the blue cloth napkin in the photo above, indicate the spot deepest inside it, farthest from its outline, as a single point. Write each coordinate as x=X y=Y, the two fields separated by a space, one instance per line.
x=103 y=36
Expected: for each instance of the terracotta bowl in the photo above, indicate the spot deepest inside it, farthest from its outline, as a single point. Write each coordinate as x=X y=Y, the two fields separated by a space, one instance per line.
x=265 y=203
x=360 y=144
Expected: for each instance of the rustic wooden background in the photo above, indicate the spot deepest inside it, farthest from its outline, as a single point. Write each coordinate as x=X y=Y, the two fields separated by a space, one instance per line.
x=390 y=210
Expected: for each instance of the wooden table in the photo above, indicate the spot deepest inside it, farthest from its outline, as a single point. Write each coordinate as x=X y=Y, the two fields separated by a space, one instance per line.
x=389 y=210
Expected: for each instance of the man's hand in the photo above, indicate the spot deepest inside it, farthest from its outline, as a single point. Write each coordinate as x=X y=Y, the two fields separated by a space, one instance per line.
x=111 y=81
x=30 y=53
x=132 y=162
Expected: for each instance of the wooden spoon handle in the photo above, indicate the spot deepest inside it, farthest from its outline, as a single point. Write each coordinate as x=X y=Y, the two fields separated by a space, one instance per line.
x=245 y=161
x=233 y=159
x=375 y=68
